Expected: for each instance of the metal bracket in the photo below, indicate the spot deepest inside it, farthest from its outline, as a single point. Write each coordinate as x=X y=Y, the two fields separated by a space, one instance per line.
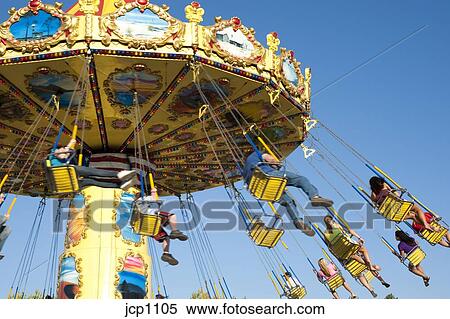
x=310 y=124
x=56 y=100
x=307 y=152
x=273 y=94
x=202 y=111
x=195 y=68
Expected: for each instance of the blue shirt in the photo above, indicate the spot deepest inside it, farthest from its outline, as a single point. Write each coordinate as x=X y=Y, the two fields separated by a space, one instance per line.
x=55 y=162
x=251 y=162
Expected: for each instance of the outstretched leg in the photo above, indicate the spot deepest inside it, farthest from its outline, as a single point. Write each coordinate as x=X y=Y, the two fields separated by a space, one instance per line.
x=175 y=234
x=349 y=289
x=419 y=217
x=166 y=256
x=367 y=285
x=366 y=258
x=94 y=172
x=378 y=276
x=303 y=183
x=291 y=207
x=445 y=241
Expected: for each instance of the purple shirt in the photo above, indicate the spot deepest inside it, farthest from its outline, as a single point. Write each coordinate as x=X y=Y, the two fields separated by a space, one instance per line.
x=407 y=248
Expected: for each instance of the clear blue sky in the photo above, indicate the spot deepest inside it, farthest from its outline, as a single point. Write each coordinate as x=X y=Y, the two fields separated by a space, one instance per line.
x=395 y=110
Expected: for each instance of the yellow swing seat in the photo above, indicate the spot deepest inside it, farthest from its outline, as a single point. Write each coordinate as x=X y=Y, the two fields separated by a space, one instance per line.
x=355 y=268
x=62 y=180
x=434 y=237
x=145 y=224
x=264 y=236
x=266 y=187
x=394 y=208
x=342 y=246
x=416 y=256
x=335 y=282
x=298 y=292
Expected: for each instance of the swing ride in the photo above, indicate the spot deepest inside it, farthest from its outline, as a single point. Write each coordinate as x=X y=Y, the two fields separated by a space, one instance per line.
x=127 y=86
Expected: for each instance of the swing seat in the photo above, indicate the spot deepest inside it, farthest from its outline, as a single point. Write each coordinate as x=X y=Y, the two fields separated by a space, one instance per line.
x=342 y=246
x=394 y=208
x=434 y=237
x=266 y=187
x=355 y=268
x=416 y=256
x=264 y=236
x=62 y=180
x=335 y=282
x=368 y=275
x=146 y=224
x=298 y=292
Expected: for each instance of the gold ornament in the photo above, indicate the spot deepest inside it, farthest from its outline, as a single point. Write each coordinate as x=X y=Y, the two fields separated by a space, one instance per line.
x=273 y=42
x=89 y=6
x=194 y=13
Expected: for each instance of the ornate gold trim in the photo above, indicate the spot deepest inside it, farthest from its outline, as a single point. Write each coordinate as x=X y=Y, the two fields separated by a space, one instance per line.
x=296 y=91
x=86 y=218
x=109 y=27
x=213 y=45
x=67 y=31
x=78 y=268
x=110 y=94
x=119 y=267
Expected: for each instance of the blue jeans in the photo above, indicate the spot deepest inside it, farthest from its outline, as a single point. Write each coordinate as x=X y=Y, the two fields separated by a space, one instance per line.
x=4 y=232
x=297 y=181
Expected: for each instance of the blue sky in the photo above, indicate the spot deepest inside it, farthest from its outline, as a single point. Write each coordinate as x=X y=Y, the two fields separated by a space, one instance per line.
x=394 y=108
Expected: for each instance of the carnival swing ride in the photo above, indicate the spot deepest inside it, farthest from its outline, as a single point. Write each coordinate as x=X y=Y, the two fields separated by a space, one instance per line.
x=183 y=104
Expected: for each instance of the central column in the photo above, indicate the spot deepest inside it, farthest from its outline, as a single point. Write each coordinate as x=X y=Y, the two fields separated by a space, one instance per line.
x=103 y=257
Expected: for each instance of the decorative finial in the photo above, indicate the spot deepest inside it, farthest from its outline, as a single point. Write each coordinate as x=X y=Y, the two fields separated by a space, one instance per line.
x=194 y=12
x=89 y=6
x=142 y=5
x=273 y=42
x=236 y=23
x=34 y=5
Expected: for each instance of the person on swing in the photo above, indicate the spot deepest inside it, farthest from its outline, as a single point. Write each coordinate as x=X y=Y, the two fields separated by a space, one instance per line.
x=5 y=231
x=272 y=167
x=90 y=176
x=168 y=220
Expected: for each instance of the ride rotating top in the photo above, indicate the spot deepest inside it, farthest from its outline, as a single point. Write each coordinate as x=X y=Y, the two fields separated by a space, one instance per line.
x=109 y=55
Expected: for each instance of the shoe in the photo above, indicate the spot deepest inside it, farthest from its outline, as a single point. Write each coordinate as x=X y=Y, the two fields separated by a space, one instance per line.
x=318 y=201
x=168 y=258
x=304 y=228
x=126 y=175
x=176 y=234
x=132 y=182
x=426 y=281
x=353 y=297
x=1 y=256
x=374 y=294
x=386 y=284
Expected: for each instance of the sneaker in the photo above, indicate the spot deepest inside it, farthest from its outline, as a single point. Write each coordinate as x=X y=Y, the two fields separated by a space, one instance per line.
x=373 y=293
x=168 y=258
x=176 y=234
x=304 y=228
x=353 y=297
x=1 y=256
x=132 y=182
x=427 y=282
x=318 y=201
x=126 y=175
x=386 y=284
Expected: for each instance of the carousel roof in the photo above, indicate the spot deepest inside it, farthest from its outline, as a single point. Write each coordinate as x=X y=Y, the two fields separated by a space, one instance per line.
x=136 y=46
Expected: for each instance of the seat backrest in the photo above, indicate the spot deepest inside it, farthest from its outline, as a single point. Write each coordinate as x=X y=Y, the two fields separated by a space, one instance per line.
x=394 y=208
x=355 y=268
x=416 y=256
